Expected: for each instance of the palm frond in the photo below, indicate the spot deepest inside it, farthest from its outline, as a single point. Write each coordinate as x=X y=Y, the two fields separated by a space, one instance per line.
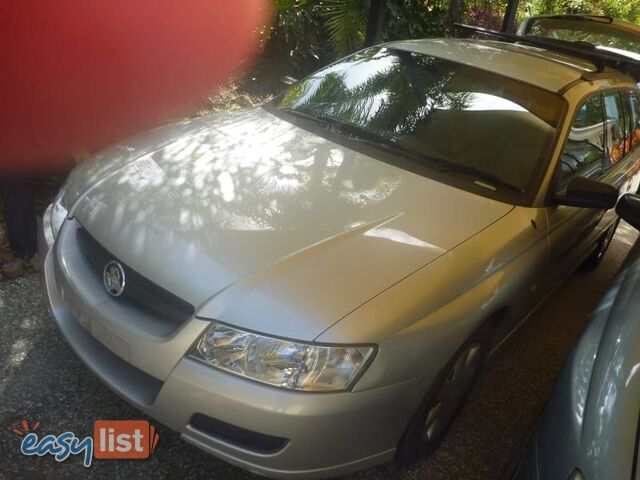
x=346 y=22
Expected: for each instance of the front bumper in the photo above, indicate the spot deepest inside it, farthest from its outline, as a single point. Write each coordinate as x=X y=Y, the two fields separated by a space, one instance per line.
x=325 y=434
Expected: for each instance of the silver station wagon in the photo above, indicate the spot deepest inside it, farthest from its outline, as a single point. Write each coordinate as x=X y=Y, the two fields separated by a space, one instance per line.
x=310 y=287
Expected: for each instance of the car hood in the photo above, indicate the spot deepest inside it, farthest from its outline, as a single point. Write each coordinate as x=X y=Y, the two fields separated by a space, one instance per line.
x=262 y=224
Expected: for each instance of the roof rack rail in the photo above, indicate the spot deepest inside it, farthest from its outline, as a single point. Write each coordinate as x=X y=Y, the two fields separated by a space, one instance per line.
x=586 y=51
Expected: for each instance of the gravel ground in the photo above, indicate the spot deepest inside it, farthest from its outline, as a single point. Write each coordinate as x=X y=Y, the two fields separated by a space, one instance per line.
x=42 y=380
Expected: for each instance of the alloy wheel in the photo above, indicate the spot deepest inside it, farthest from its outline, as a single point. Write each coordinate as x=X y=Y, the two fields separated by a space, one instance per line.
x=452 y=392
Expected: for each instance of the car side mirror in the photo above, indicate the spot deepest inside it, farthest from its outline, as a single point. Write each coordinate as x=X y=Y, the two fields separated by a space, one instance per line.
x=587 y=193
x=628 y=209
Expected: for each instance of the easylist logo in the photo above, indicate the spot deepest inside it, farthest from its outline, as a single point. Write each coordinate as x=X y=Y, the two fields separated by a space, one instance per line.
x=124 y=439
x=112 y=439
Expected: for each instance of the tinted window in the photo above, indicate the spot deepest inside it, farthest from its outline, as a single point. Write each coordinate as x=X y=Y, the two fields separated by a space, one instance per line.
x=631 y=100
x=435 y=109
x=584 y=151
x=616 y=128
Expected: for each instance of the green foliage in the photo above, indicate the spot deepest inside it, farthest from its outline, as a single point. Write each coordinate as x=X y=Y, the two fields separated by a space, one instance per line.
x=416 y=19
x=486 y=13
x=346 y=21
x=295 y=45
x=308 y=34
x=623 y=9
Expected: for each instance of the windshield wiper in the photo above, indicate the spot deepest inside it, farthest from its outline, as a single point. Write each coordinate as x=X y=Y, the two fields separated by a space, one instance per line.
x=481 y=175
x=340 y=126
x=441 y=164
x=306 y=116
x=353 y=131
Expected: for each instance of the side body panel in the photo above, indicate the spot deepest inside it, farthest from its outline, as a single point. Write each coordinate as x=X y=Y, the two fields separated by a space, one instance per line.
x=499 y=269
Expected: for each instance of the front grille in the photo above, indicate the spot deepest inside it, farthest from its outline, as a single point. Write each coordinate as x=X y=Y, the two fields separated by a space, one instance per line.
x=139 y=290
x=240 y=437
x=126 y=379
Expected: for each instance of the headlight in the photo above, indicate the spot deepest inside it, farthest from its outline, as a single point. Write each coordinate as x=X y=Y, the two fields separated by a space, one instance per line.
x=576 y=475
x=282 y=363
x=58 y=213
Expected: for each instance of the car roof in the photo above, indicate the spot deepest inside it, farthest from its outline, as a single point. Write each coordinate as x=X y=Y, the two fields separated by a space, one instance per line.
x=549 y=70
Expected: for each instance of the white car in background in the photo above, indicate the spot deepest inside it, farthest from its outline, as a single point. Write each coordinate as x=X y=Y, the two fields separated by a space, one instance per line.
x=602 y=32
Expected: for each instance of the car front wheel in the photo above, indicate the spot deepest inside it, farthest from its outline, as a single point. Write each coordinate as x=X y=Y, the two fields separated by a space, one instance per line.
x=445 y=398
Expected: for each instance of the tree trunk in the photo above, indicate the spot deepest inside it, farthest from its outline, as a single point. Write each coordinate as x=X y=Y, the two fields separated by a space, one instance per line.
x=509 y=20
x=375 y=22
x=455 y=11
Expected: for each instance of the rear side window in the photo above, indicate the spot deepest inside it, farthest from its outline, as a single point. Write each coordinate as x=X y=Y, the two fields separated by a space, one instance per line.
x=615 y=126
x=584 y=151
x=633 y=107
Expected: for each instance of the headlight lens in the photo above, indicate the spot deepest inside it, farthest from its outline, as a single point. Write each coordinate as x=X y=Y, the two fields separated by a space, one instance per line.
x=58 y=213
x=576 y=475
x=282 y=363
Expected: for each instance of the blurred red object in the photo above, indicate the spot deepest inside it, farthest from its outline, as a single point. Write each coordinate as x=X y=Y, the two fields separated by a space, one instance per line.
x=77 y=75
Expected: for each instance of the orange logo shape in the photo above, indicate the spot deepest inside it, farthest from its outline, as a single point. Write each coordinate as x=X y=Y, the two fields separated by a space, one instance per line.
x=25 y=428
x=124 y=439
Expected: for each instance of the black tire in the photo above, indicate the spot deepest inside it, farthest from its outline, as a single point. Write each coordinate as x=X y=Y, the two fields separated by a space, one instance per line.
x=602 y=246
x=416 y=442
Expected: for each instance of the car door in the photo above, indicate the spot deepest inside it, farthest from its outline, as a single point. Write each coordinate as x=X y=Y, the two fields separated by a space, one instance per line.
x=573 y=231
x=600 y=146
x=623 y=142
x=631 y=99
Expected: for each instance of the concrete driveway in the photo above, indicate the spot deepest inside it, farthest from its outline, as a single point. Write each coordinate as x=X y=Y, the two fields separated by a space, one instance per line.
x=42 y=380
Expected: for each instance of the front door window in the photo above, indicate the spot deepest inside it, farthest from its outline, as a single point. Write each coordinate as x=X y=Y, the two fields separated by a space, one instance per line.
x=584 y=151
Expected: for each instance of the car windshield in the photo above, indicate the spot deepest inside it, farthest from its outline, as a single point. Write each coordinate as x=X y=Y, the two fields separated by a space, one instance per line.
x=466 y=122
x=597 y=31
